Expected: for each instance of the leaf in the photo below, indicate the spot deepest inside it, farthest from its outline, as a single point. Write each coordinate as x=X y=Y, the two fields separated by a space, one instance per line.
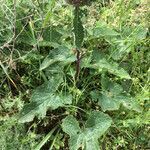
x=121 y=49
x=60 y=54
x=92 y=144
x=50 y=37
x=135 y=34
x=103 y=30
x=44 y=98
x=140 y=33
x=70 y=125
x=130 y=38
x=39 y=106
x=112 y=96
x=78 y=28
x=109 y=103
x=111 y=67
x=30 y=57
x=76 y=141
x=99 y=62
x=51 y=34
x=26 y=37
x=96 y=125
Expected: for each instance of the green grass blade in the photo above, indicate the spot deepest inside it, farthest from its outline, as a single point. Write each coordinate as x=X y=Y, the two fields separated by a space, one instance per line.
x=39 y=146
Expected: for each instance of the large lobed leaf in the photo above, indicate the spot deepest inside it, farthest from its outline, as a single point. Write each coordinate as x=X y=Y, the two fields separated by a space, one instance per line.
x=87 y=137
x=43 y=98
x=112 y=96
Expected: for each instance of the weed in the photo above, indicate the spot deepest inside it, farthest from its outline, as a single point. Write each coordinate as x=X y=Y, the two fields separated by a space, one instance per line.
x=71 y=73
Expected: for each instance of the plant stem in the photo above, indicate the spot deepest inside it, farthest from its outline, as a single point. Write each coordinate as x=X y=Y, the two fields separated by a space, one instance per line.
x=77 y=65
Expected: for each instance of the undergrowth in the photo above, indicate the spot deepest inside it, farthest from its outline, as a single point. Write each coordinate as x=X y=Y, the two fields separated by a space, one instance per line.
x=74 y=75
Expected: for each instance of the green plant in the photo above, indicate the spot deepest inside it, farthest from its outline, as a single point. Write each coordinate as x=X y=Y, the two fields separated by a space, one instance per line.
x=57 y=92
x=84 y=70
